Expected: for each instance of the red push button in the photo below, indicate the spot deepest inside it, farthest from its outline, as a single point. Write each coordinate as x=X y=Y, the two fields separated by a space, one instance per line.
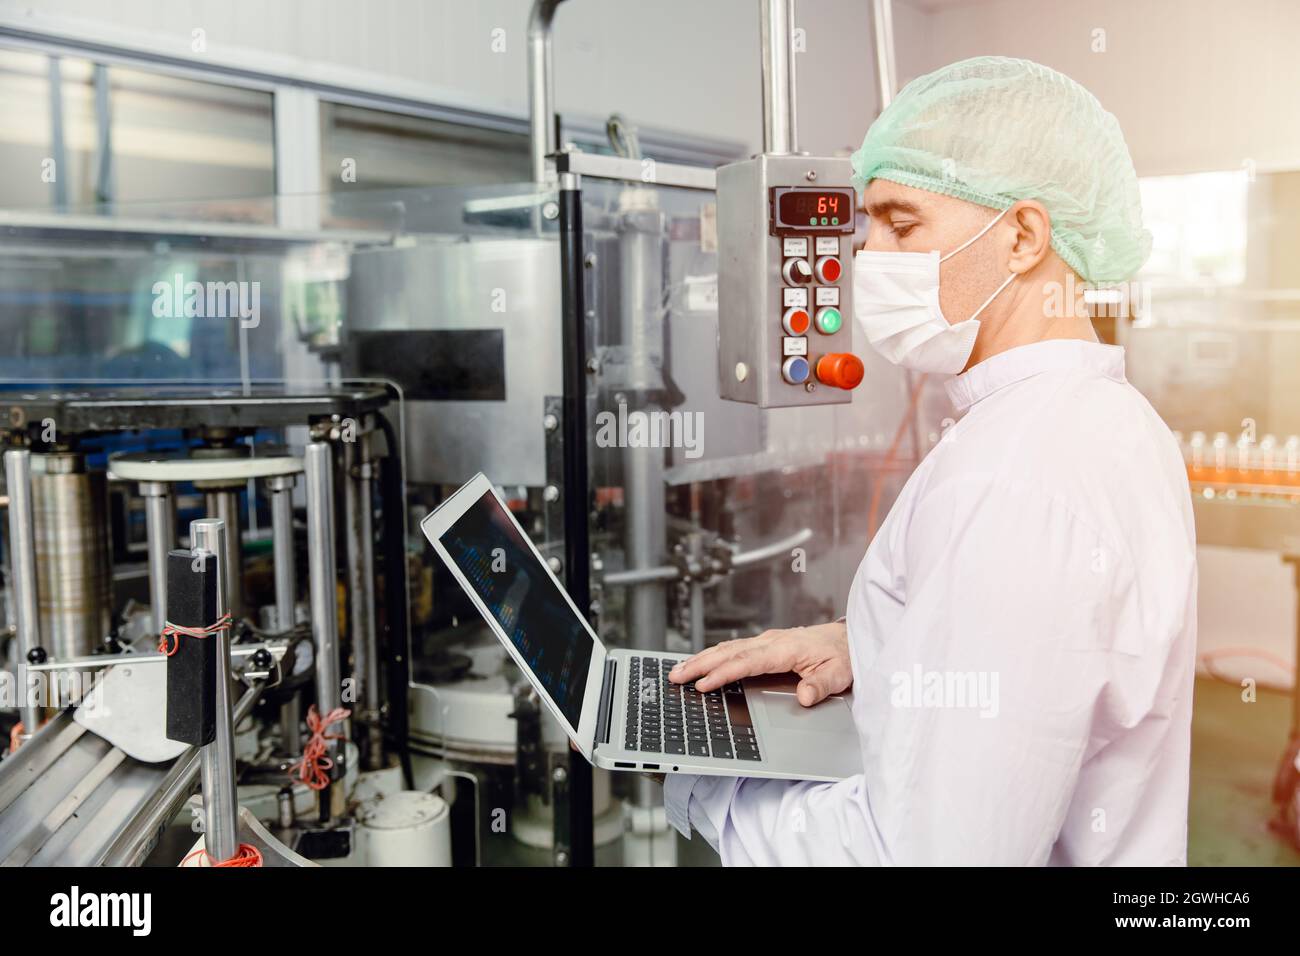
x=795 y=321
x=828 y=269
x=840 y=370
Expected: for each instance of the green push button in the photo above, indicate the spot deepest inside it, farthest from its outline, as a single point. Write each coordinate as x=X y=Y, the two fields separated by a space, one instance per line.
x=829 y=321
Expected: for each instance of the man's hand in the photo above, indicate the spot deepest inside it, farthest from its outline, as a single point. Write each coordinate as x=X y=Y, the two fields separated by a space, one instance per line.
x=818 y=654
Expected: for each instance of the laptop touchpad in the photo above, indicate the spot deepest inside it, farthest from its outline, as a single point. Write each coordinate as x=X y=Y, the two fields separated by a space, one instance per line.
x=830 y=716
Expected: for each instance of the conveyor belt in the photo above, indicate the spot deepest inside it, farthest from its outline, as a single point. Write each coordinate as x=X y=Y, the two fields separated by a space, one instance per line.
x=70 y=798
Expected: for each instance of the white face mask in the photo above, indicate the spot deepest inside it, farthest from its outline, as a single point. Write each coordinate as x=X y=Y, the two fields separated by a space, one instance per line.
x=896 y=298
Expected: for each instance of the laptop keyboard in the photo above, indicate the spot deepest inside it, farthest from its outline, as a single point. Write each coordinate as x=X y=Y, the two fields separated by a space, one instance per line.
x=668 y=718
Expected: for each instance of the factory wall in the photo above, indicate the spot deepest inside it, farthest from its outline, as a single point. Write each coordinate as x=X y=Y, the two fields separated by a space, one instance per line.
x=678 y=65
x=1236 y=69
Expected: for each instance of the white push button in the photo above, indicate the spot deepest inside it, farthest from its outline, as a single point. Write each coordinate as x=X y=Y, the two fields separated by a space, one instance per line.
x=797 y=272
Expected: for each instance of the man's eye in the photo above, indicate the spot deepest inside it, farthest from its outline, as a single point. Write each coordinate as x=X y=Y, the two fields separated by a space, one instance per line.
x=900 y=230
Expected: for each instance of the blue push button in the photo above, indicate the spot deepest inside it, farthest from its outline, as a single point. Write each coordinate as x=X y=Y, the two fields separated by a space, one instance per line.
x=795 y=370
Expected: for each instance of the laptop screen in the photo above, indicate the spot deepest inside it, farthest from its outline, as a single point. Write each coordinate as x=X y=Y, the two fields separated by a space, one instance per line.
x=487 y=546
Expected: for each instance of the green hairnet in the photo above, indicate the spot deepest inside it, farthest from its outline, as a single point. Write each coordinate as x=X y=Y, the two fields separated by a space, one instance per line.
x=993 y=130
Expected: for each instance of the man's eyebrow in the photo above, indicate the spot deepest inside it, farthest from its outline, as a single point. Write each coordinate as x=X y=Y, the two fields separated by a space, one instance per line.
x=879 y=210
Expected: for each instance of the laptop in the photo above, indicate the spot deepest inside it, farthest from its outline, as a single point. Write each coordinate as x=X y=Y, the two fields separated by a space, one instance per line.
x=617 y=705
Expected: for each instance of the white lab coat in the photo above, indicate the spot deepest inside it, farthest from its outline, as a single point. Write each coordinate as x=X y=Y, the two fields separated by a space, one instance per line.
x=1022 y=633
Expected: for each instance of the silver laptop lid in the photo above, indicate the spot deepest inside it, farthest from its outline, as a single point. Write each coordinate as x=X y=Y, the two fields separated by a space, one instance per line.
x=502 y=572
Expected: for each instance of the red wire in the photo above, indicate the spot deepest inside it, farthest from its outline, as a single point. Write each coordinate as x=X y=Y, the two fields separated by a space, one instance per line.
x=248 y=855
x=16 y=734
x=316 y=762
x=174 y=631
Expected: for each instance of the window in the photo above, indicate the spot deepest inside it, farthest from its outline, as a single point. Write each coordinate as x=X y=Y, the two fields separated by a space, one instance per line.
x=178 y=139
x=1198 y=228
x=77 y=133
x=369 y=148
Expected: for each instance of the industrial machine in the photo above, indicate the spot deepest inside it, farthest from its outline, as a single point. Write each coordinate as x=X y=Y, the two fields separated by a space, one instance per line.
x=639 y=364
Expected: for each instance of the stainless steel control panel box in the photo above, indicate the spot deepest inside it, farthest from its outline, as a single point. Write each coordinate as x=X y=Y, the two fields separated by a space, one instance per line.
x=785 y=232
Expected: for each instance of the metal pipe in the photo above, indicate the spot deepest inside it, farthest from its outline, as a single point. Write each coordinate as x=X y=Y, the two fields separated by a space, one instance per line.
x=220 y=798
x=358 y=473
x=160 y=532
x=769 y=551
x=93 y=662
x=322 y=572
x=280 y=488
x=22 y=568
x=696 y=551
x=664 y=572
x=641 y=311
x=882 y=25
x=741 y=559
x=224 y=504
x=776 y=34
x=541 y=85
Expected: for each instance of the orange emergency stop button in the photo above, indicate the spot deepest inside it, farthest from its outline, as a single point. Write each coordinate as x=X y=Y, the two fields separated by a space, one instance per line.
x=840 y=370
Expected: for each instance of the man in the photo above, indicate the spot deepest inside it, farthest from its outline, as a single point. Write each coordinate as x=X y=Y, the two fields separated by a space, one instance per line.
x=1020 y=634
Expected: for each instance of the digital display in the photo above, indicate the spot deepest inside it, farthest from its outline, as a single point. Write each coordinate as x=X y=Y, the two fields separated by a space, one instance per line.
x=815 y=208
x=524 y=599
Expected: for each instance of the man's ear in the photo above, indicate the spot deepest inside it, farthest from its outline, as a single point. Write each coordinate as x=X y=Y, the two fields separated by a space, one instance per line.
x=1033 y=238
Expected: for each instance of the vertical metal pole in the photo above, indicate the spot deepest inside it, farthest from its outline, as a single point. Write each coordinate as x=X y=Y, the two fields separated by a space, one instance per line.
x=58 y=143
x=358 y=473
x=776 y=34
x=641 y=307
x=577 y=547
x=696 y=546
x=224 y=504
x=882 y=25
x=541 y=85
x=280 y=488
x=22 y=567
x=104 y=192
x=322 y=572
x=217 y=759
x=160 y=532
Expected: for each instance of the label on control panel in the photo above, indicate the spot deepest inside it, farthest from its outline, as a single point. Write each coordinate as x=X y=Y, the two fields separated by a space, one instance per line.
x=794 y=345
x=828 y=295
x=797 y=247
x=826 y=246
x=791 y=296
